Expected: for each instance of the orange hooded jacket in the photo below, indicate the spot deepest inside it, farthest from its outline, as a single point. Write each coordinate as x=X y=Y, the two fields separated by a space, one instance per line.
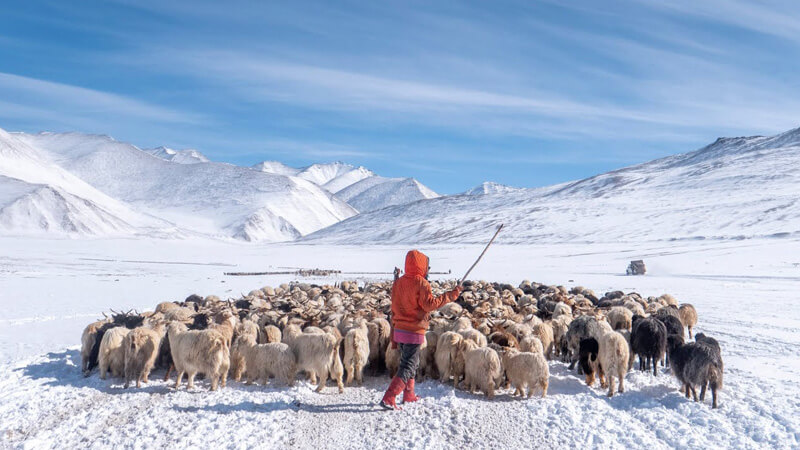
x=412 y=298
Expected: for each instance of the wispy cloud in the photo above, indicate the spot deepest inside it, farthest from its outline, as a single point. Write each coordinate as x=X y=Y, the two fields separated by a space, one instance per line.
x=672 y=100
x=40 y=98
x=456 y=86
x=776 y=18
x=334 y=88
x=316 y=150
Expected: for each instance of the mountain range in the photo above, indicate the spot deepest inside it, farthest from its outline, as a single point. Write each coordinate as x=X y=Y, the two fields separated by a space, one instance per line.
x=734 y=188
x=92 y=185
x=83 y=185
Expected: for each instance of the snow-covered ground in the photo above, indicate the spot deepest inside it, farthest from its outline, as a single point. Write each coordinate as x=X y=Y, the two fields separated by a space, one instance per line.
x=745 y=293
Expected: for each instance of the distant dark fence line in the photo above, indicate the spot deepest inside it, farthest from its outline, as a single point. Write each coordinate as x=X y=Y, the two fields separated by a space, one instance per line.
x=316 y=273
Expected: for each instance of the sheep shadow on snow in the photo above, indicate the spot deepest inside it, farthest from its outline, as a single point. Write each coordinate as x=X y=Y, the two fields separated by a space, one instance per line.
x=63 y=369
x=226 y=408
x=339 y=408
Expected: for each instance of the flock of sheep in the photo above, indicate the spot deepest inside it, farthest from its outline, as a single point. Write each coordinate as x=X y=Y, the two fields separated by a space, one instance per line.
x=494 y=335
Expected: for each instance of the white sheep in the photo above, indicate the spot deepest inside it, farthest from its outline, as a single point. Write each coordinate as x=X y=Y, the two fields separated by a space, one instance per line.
x=111 y=355
x=337 y=368
x=379 y=334
x=475 y=336
x=392 y=358
x=315 y=353
x=451 y=310
x=634 y=307
x=561 y=309
x=560 y=326
x=544 y=331
x=141 y=349
x=163 y=307
x=620 y=318
x=198 y=351
x=461 y=324
x=614 y=357
x=263 y=361
x=653 y=308
x=603 y=328
x=531 y=344
x=427 y=357
x=246 y=329
x=225 y=326
x=531 y=321
x=88 y=340
x=179 y=314
x=439 y=325
x=459 y=360
x=631 y=355
x=668 y=300
x=688 y=317
x=526 y=371
x=446 y=350
x=269 y=334
x=522 y=330
x=356 y=353
x=482 y=368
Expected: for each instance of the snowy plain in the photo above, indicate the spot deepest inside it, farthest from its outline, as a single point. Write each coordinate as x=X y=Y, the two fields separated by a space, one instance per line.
x=745 y=292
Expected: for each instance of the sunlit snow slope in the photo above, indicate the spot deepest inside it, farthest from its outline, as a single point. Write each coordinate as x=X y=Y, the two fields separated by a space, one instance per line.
x=374 y=193
x=215 y=199
x=731 y=189
x=37 y=196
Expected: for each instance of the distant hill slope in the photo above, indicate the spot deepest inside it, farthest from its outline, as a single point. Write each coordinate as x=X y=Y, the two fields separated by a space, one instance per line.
x=731 y=189
x=215 y=199
x=38 y=196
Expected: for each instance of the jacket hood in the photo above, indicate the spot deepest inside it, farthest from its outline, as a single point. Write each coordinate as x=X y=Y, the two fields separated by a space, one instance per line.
x=416 y=264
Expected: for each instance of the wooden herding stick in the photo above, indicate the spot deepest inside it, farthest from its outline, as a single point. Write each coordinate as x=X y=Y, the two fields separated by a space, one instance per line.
x=481 y=256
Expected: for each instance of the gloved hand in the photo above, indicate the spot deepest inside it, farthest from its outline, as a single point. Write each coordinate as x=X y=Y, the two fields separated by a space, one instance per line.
x=457 y=291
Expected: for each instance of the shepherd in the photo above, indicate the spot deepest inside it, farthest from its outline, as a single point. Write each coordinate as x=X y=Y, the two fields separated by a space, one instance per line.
x=412 y=303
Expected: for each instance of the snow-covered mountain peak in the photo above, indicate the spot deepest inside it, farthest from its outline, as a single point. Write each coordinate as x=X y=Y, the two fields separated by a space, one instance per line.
x=215 y=199
x=334 y=176
x=376 y=192
x=275 y=167
x=186 y=156
x=490 y=187
x=733 y=188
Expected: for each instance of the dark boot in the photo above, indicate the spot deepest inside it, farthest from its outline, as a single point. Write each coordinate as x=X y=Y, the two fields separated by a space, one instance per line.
x=408 y=393
x=395 y=387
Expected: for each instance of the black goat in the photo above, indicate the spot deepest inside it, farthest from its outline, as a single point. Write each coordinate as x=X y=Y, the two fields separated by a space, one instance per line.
x=649 y=342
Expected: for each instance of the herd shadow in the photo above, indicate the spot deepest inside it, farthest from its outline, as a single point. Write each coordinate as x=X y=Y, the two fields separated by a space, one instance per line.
x=58 y=369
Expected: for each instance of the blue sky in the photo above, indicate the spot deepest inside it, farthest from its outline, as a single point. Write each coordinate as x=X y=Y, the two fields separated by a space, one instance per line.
x=526 y=93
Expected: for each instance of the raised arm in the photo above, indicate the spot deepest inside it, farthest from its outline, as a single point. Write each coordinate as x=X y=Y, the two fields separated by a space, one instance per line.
x=429 y=303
